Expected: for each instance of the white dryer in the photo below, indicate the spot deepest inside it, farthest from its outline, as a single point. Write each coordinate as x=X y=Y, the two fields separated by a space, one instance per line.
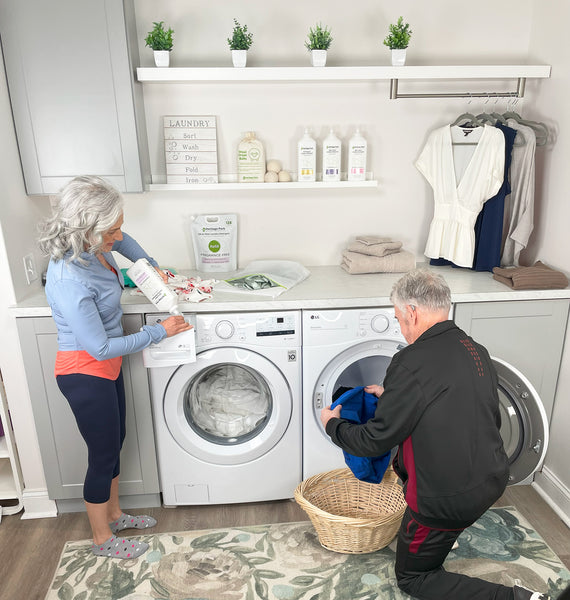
x=341 y=349
x=228 y=426
x=353 y=347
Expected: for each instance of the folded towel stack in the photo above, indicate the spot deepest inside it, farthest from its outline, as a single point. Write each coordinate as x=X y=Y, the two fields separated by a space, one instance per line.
x=537 y=277
x=373 y=254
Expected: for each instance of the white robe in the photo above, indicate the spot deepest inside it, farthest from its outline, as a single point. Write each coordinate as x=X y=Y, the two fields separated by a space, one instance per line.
x=458 y=200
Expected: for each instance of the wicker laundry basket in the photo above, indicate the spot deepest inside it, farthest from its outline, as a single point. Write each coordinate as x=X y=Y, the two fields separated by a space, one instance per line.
x=349 y=515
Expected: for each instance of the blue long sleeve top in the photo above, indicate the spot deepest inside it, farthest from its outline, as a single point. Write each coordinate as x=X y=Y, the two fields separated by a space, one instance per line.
x=85 y=300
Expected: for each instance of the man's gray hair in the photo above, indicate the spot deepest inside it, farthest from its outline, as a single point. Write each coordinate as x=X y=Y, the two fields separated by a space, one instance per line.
x=423 y=288
x=87 y=207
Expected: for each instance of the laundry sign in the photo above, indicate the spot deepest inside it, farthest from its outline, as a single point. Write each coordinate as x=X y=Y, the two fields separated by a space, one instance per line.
x=190 y=148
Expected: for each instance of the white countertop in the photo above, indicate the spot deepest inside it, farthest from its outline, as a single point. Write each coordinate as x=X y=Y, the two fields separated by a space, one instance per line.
x=326 y=287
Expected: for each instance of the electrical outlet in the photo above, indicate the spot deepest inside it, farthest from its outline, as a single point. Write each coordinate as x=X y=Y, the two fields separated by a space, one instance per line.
x=30 y=268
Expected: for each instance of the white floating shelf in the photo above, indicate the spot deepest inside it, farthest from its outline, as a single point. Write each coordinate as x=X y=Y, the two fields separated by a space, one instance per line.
x=269 y=74
x=297 y=185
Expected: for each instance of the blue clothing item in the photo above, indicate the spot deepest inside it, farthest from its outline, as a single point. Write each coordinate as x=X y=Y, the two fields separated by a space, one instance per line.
x=85 y=301
x=489 y=224
x=359 y=406
x=99 y=408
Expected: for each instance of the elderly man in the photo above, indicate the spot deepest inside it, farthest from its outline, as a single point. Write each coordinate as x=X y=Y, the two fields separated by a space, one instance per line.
x=440 y=406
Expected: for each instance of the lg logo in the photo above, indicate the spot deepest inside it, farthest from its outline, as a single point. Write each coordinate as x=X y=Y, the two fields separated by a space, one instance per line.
x=315 y=317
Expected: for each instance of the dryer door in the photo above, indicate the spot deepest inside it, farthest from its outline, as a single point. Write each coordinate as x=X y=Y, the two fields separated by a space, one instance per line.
x=364 y=364
x=229 y=407
x=524 y=425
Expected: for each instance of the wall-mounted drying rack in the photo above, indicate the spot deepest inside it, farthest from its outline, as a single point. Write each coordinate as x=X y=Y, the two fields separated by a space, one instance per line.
x=518 y=93
x=353 y=74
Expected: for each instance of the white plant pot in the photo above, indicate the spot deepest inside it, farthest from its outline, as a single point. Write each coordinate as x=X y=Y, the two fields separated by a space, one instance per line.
x=318 y=58
x=239 y=58
x=398 y=57
x=162 y=58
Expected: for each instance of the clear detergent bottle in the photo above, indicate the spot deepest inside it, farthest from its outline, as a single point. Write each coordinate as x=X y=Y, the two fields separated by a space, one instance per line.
x=331 y=157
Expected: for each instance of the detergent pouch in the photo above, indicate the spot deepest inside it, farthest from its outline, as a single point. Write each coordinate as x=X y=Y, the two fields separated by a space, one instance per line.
x=214 y=238
x=266 y=278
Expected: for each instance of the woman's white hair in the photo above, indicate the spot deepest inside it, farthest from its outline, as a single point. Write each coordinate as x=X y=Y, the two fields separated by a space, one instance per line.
x=423 y=288
x=86 y=207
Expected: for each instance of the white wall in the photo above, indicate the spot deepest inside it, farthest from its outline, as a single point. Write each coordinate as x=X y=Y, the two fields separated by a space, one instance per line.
x=314 y=226
x=550 y=239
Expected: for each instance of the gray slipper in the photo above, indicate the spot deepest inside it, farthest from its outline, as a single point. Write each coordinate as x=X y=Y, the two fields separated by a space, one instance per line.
x=118 y=547
x=132 y=522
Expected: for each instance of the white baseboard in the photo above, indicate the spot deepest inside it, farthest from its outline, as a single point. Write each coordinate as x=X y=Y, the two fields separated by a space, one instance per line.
x=554 y=492
x=37 y=505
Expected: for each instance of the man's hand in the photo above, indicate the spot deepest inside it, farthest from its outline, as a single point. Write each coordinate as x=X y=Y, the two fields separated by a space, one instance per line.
x=377 y=390
x=327 y=414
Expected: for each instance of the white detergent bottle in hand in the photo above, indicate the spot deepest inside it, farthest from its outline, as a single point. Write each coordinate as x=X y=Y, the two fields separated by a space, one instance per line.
x=151 y=284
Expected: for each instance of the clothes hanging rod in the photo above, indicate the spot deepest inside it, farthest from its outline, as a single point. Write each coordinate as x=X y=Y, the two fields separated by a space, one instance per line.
x=519 y=93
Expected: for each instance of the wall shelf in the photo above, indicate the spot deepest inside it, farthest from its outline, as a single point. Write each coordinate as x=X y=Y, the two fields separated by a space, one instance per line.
x=289 y=185
x=315 y=74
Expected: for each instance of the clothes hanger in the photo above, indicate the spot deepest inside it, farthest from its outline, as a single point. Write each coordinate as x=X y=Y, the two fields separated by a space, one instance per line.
x=468 y=119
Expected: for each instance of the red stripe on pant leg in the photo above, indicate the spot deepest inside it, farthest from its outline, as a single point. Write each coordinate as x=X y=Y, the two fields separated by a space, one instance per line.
x=419 y=538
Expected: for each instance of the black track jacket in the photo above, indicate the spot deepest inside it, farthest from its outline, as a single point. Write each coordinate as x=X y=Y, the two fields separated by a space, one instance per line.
x=440 y=406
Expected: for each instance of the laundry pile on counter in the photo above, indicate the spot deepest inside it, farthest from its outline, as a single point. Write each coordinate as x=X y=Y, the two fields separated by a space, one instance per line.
x=374 y=254
x=537 y=277
x=189 y=289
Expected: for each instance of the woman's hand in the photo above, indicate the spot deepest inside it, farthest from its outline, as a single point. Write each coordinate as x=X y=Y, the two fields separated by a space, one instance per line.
x=377 y=390
x=162 y=274
x=174 y=325
x=327 y=414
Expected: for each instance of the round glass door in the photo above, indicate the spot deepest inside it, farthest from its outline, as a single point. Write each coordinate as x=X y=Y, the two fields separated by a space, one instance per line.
x=524 y=425
x=227 y=404
x=229 y=407
x=364 y=364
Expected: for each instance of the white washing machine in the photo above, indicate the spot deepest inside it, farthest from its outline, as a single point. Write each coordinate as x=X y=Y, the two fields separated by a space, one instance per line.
x=228 y=426
x=353 y=347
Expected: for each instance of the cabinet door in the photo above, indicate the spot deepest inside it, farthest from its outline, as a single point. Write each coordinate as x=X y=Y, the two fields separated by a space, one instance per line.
x=72 y=92
x=528 y=334
x=64 y=454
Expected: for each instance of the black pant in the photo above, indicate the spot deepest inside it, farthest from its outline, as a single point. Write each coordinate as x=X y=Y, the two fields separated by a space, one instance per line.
x=98 y=405
x=420 y=554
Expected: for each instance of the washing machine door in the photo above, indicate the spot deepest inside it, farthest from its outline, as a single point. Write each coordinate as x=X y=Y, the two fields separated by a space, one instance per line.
x=363 y=364
x=229 y=407
x=524 y=425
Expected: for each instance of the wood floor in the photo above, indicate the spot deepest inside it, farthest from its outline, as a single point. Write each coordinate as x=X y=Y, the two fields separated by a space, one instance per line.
x=30 y=549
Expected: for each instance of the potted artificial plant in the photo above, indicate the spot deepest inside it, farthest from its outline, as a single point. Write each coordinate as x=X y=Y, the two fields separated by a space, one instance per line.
x=160 y=40
x=397 y=40
x=239 y=43
x=318 y=42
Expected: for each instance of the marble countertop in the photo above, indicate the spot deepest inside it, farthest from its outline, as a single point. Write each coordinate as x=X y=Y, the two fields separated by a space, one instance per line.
x=326 y=287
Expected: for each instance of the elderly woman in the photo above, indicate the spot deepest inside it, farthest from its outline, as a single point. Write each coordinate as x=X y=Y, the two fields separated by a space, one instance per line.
x=83 y=288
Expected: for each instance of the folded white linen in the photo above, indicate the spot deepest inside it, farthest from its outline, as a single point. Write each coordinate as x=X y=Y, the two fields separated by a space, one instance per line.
x=399 y=262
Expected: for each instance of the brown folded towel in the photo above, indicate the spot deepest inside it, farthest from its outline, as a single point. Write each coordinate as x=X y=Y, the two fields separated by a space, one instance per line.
x=381 y=248
x=356 y=263
x=537 y=277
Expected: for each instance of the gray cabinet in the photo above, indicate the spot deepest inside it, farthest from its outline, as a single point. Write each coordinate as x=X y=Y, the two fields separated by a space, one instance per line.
x=528 y=334
x=63 y=450
x=76 y=106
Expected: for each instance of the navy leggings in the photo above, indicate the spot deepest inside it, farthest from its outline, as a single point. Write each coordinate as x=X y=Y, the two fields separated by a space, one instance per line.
x=98 y=405
x=420 y=554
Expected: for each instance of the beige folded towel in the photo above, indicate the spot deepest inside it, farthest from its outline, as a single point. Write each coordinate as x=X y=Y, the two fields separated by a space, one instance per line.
x=370 y=240
x=356 y=263
x=382 y=248
x=537 y=277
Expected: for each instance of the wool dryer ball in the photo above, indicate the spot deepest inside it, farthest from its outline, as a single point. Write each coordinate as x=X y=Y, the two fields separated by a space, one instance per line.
x=271 y=177
x=284 y=176
x=274 y=165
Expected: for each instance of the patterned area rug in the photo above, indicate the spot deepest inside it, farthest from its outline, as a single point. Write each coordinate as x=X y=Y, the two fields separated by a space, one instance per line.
x=286 y=562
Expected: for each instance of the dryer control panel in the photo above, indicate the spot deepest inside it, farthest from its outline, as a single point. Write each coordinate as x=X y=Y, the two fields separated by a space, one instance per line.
x=254 y=329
